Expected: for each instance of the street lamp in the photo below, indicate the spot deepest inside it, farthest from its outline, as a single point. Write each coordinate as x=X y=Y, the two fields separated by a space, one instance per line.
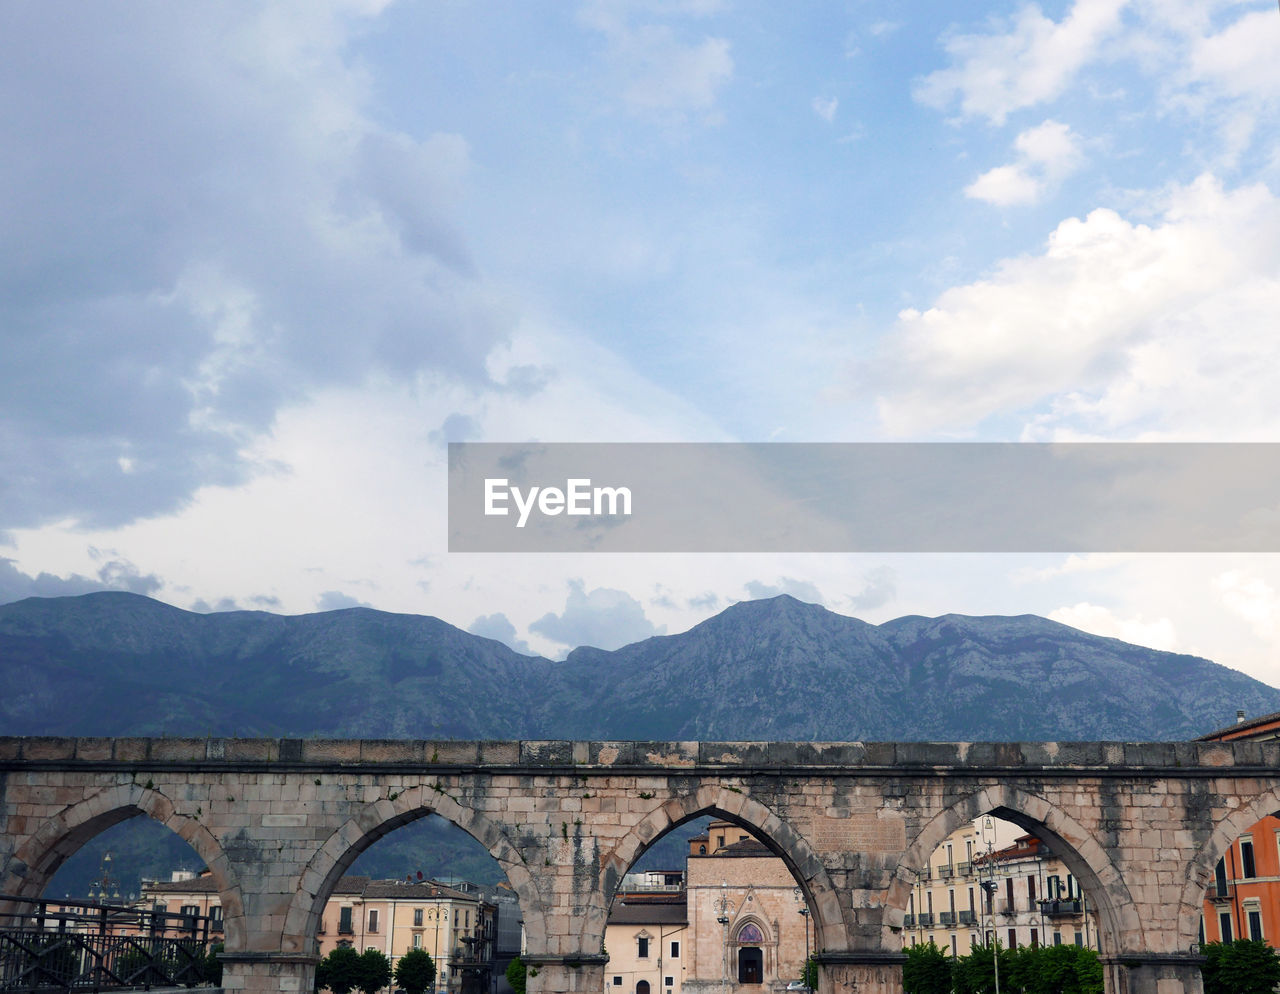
x=989 y=886
x=805 y=911
x=723 y=908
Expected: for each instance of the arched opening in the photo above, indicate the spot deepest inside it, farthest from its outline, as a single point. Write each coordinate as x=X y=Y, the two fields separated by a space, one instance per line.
x=748 y=941
x=1004 y=871
x=738 y=911
x=1234 y=890
x=117 y=892
x=418 y=883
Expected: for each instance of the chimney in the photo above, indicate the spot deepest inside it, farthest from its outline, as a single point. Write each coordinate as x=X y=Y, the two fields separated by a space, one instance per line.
x=1239 y=717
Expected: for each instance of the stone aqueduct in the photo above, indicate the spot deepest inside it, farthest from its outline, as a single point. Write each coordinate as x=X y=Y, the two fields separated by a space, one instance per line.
x=278 y=821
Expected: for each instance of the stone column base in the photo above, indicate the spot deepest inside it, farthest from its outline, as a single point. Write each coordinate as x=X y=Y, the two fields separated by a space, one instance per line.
x=1153 y=973
x=265 y=973
x=580 y=974
x=868 y=972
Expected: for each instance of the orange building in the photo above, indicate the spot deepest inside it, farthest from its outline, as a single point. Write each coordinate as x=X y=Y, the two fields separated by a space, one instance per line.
x=1243 y=902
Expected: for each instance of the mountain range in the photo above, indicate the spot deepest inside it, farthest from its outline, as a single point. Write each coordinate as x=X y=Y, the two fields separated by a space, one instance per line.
x=115 y=663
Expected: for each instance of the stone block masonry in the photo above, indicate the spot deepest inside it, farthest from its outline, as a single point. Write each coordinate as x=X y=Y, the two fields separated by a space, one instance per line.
x=1140 y=825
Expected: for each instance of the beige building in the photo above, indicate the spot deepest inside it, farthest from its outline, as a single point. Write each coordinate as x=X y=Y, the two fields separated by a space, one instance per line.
x=392 y=916
x=1030 y=897
x=732 y=923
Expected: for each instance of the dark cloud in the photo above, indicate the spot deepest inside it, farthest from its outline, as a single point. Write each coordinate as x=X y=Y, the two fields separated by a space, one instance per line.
x=496 y=626
x=201 y=226
x=336 y=600
x=801 y=590
x=115 y=574
x=604 y=618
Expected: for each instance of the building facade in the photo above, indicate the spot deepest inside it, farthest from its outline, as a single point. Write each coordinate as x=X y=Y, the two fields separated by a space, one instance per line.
x=392 y=916
x=987 y=882
x=1243 y=901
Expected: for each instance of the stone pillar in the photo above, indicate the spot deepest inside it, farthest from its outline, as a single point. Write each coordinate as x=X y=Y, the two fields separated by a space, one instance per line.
x=267 y=973
x=1153 y=973
x=865 y=972
x=549 y=974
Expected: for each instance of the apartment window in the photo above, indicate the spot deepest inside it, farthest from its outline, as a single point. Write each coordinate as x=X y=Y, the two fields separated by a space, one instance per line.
x=1247 y=870
x=190 y=909
x=373 y=921
x=929 y=899
x=617 y=981
x=215 y=917
x=951 y=895
x=642 y=946
x=1031 y=891
x=417 y=917
x=344 y=921
x=1253 y=918
x=1008 y=893
x=675 y=950
x=1035 y=938
x=1224 y=926
x=1079 y=939
x=968 y=850
x=953 y=945
x=1220 y=878
x=417 y=940
x=971 y=908
x=1057 y=938
x=668 y=981
x=1013 y=938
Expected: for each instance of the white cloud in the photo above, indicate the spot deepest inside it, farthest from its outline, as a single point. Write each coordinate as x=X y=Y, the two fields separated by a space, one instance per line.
x=825 y=107
x=1098 y=620
x=1047 y=154
x=604 y=618
x=1032 y=62
x=1252 y=598
x=660 y=73
x=1240 y=60
x=1117 y=328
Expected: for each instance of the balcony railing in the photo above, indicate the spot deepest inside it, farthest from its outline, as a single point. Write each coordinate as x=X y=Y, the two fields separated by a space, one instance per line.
x=947 y=918
x=908 y=921
x=964 y=869
x=1053 y=908
x=967 y=918
x=925 y=920
x=946 y=871
x=1221 y=891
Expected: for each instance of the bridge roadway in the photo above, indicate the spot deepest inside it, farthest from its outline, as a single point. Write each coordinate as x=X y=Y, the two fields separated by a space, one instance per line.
x=1140 y=825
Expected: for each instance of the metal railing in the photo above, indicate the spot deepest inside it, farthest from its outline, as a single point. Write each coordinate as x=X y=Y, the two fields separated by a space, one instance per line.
x=51 y=946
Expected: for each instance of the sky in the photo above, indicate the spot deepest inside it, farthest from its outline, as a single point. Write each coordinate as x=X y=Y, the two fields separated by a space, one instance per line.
x=261 y=262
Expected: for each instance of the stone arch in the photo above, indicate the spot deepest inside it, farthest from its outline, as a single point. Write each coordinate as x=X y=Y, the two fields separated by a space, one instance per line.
x=1200 y=867
x=380 y=818
x=1088 y=861
x=38 y=857
x=830 y=928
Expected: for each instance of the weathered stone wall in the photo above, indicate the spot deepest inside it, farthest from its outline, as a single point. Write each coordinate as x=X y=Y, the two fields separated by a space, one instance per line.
x=278 y=821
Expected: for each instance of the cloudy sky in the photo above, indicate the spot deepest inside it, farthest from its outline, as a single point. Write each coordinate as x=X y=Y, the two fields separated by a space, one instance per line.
x=261 y=262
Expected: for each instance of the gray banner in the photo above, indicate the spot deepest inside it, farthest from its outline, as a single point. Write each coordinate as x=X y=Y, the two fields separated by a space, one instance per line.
x=872 y=497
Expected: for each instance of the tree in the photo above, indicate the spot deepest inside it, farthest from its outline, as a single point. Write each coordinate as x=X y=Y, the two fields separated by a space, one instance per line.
x=1246 y=966
x=415 y=971
x=339 y=971
x=374 y=971
x=517 y=975
x=810 y=975
x=926 y=971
